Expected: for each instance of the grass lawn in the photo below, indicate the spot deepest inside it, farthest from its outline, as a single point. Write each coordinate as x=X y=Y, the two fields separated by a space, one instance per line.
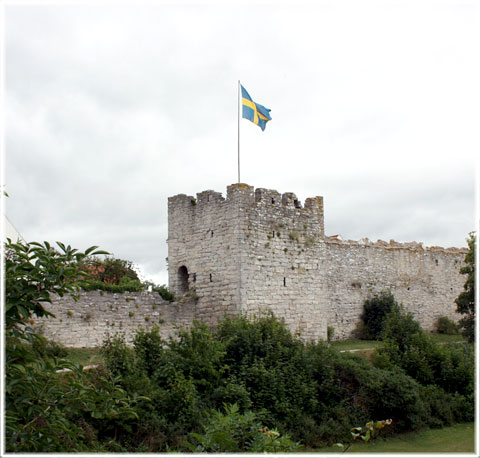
x=445 y=338
x=454 y=439
x=357 y=344
x=84 y=356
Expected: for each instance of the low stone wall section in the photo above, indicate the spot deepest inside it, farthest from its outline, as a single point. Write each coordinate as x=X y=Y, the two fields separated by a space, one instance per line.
x=86 y=322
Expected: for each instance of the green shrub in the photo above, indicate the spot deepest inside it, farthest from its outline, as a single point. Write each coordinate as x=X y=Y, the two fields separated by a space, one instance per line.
x=126 y=286
x=199 y=355
x=330 y=333
x=445 y=325
x=148 y=346
x=232 y=391
x=374 y=313
x=164 y=293
x=378 y=393
x=109 y=270
x=400 y=326
x=48 y=348
x=234 y=432
x=119 y=358
x=48 y=412
x=264 y=357
x=407 y=347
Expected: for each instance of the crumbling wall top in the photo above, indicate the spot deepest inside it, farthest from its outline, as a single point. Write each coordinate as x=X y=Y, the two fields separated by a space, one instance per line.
x=246 y=193
x=392 y=245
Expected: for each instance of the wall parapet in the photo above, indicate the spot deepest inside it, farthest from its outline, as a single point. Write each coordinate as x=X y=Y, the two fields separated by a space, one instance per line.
x=392 y=245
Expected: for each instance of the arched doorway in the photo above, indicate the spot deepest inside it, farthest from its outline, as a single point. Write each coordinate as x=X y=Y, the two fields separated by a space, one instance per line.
x=182 y=280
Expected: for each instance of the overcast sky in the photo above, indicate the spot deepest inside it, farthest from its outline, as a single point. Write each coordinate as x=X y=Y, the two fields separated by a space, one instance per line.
x=112 y=108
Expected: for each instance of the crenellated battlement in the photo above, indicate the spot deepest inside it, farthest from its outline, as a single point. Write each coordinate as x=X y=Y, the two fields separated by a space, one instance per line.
x=269 y=200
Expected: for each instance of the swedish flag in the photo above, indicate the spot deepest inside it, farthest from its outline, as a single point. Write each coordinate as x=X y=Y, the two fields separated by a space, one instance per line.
x=254 y=112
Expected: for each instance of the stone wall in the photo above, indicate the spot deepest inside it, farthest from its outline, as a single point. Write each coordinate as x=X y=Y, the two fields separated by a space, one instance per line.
x=86 y=322
x=425 y=280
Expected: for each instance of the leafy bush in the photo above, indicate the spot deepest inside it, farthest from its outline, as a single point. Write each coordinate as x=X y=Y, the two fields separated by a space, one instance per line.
x=33 y=271
x=164 y=293
x=445 y=325
x=407 y=347
x=48 y=348
x=110 y=270
x=330 y=333
x=118 y=357
x=374 y=312
x=234 y=432
x=148 y=347
x=93 y=285
x=273 y=366
x=377 y=393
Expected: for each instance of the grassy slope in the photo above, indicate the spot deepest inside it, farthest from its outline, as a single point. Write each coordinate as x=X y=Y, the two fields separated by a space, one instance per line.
x=455 y=439
x=84 y=356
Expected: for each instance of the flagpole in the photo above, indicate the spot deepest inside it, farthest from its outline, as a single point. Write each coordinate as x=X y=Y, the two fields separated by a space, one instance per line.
x=238 y=116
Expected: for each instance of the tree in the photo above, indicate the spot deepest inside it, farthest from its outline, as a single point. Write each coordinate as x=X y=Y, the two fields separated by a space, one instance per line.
x=45 y=411
x=375 y=310
x=111 y=270
x=34 y=271
x=466 y=300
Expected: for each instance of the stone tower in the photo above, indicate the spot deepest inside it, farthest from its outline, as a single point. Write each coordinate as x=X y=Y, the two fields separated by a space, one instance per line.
x=250 y=252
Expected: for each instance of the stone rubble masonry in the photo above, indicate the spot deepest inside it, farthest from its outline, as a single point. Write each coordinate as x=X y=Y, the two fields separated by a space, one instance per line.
x=259 y=251
x=86 y=322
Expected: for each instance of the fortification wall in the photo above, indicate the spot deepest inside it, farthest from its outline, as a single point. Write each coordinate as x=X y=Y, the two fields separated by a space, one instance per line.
x=425 y=280
x=260 y=250
x=86 y=322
